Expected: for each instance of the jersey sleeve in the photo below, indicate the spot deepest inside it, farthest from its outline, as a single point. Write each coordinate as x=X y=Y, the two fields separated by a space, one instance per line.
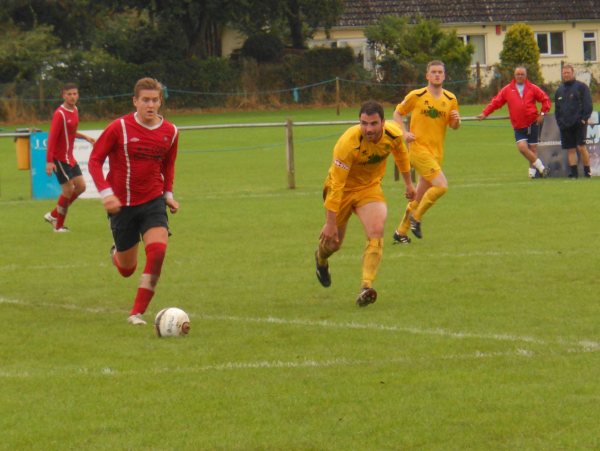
x=55 y=133
x=453 y=106
x=168 y=167
x=406 y=106
x=497 y=102
x=400 y=154
x=587 y=104
x=102 y=148
x=544 y=99
x=343 y=158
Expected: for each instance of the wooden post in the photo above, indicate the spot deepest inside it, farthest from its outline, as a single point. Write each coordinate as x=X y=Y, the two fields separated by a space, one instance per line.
x=478 y=78
x=41 y=95
x=289 y=136
x=337 y=94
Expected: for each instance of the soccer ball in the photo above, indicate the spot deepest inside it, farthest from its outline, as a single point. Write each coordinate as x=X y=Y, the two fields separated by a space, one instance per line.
x=171 y=322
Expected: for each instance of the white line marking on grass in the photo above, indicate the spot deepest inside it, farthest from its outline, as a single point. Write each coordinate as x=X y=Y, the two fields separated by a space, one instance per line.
x=18 y=267
x=375 y=326
x=584 y=344
x=73 y=307
x=256 y=365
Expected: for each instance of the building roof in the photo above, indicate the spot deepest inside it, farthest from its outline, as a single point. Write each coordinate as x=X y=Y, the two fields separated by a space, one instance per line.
x=360 y=13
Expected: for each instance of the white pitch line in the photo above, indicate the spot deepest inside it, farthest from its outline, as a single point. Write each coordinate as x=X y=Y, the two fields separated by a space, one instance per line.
x=588 y=345
x=256 y=365
x=582 y=344
x=347 y=256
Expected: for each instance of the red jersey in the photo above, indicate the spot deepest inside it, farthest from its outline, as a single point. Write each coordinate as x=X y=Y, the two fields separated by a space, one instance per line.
x=141 y=160
x=522 y=110
x=62 y=135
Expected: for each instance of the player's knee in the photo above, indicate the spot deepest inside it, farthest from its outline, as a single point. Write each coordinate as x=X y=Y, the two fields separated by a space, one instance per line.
x=155 y=255
x=126 y=272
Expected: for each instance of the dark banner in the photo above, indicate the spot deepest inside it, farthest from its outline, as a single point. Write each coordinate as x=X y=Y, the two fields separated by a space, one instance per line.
x=553 y=156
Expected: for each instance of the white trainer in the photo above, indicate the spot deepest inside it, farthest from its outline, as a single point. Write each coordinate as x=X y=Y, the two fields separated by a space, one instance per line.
x=62 y=230
x=136 y=320
x=50 y=219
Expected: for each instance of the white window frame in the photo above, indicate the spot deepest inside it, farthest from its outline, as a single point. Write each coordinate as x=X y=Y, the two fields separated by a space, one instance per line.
x=593 y=39
x=466 y=38
x=548 y=35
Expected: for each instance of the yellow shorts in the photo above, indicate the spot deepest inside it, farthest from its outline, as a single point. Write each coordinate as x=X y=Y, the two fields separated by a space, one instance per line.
x=425 y=164
x=351 y=200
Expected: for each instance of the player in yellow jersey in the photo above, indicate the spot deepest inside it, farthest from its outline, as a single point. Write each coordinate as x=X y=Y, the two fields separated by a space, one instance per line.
x=431 y=110
x=353 y=185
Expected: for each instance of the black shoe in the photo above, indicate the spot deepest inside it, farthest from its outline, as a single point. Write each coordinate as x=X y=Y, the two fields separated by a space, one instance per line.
x=322 y=273
x=367 y=296
x=401 y=239
x=415 y=227
x=545 y=173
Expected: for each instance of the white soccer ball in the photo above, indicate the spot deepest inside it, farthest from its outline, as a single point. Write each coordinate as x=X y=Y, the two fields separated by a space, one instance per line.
x=172 y=322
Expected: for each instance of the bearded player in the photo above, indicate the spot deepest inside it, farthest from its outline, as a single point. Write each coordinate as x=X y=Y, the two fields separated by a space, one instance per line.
x=353 y=185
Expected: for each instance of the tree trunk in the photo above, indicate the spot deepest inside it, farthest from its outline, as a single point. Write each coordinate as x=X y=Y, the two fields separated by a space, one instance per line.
x=293 y=17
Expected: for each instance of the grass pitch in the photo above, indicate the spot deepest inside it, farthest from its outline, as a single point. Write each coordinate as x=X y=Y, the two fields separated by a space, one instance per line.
x=484 y=336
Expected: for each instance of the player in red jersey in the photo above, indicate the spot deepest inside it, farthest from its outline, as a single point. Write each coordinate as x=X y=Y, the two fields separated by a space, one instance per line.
x=59 y=156
x=141 y=148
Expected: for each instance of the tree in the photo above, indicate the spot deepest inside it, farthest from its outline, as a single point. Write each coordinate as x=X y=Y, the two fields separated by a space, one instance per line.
x=404 y=49
x=294 y=21
x=24 y=55
x=73 y=22
x=520 y=48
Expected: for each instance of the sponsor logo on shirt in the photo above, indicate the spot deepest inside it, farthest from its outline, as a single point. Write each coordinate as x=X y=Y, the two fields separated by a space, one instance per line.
x=342 y=165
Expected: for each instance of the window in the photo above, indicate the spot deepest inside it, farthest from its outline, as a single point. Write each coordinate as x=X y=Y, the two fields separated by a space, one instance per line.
x=550 y=43
x=478 y=43
x=589 y=46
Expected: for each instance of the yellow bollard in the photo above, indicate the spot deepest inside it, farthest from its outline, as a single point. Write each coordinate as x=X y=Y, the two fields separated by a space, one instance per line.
x=22 y=147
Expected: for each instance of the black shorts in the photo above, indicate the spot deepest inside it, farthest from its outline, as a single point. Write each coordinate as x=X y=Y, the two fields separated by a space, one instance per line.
x=530 y=134
x=64 y=172
x=573 y=136
x=130 y=224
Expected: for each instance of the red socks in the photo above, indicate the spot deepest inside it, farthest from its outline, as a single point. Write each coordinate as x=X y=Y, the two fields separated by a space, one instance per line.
x=155 y=255
x=60 y=211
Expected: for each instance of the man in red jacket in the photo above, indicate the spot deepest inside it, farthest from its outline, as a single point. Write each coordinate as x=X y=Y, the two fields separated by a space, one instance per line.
x=522 y=97
x=141 y=148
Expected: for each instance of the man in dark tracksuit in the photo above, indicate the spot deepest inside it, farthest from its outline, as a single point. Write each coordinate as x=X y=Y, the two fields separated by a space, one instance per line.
x=573 y=108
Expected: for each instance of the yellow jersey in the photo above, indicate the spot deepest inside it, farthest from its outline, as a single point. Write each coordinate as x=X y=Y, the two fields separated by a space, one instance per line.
x=429 y=119
x=358 y=164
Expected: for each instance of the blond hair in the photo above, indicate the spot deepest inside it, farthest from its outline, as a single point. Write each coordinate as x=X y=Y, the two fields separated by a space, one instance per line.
x=149 y=83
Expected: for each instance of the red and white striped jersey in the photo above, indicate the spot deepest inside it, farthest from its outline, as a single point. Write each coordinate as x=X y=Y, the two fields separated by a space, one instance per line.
x=141 y=160
x=62 y=135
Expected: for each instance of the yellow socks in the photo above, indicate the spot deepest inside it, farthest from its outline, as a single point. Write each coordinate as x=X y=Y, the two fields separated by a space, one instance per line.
x=405 y=223
x=371 y=260
x=430 y=197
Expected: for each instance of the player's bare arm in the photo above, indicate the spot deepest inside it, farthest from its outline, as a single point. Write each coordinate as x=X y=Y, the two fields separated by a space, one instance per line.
x=86 y=137
x=410 y=191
